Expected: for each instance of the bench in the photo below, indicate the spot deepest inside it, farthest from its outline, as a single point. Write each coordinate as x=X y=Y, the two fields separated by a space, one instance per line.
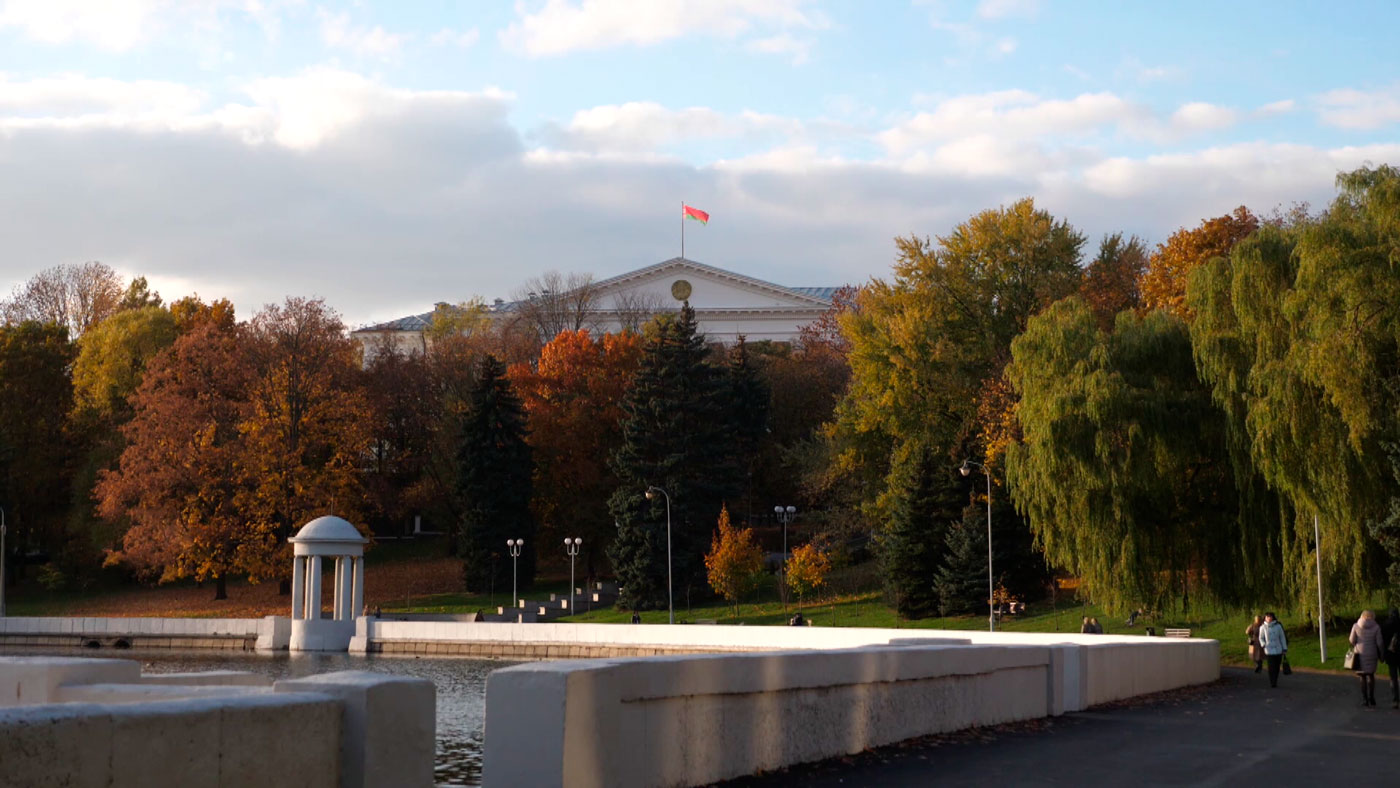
x=1177 y=633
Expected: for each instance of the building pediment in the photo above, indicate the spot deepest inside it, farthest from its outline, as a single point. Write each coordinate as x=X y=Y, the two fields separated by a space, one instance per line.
x=705 y=287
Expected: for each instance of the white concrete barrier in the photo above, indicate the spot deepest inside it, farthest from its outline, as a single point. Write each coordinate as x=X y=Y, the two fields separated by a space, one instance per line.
x=99 y=722
x=698 y=718
x=693 y=720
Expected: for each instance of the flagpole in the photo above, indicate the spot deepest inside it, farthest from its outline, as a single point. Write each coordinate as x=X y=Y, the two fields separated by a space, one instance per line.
x=682 y=229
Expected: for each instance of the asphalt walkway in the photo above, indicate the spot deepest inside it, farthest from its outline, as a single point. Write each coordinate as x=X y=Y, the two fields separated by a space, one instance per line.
x=1310 y=731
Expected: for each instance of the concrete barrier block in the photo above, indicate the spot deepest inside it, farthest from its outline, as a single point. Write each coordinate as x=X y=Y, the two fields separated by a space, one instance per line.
x=526 y=703
x=290 y=740
x=157 y=744
x=390 y=726
x=31 y=680
x=68 y=746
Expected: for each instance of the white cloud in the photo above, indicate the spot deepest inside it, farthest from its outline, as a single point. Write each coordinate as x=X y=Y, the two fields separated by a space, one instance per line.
x=799 y=49
x=338 y=33
x=563 y=26
x=300 y=111
x=1200 y=116
x=122 y=25
x=1002 y=9
x=455 y=38
x=645 y=125
x=1276 y=108
x=1012 y=114
x=1360 y=109
x=1018 y=115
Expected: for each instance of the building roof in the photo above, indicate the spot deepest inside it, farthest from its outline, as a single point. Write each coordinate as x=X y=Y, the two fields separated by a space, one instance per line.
x=819 y=296
x=328 y=529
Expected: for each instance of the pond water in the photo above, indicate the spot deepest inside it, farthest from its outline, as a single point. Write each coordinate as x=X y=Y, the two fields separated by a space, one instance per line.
x=461 y=688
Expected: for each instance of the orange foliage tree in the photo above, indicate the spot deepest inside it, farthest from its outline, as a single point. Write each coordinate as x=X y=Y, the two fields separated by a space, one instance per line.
x=734 y=562
x=1113 y=279
x=1164 y=284
x=307 y=431
x=806 y=570
x=573 y=400
x=176 y=481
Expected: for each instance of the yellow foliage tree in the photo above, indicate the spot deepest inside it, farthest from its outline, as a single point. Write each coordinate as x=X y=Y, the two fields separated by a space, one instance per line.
x=734 y=561
x=806 y=570
x=1164 y=283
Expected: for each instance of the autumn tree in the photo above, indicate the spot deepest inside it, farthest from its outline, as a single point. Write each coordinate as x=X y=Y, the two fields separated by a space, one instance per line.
x=190 y=313
x=36 y=395
x=178 y=482
x=923 y=344
x=494 y=483
x=307 y=430
x=1164 y=283
x=112 y=357
x=675 y=436
x=734 y=564
x=1113 y=279
x=405 y=411
x=806 y=570
x=73 y=296
x=574 y=402
x=748 y=401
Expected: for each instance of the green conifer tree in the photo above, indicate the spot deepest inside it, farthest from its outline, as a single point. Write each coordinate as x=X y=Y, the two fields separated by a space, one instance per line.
x=494 y=470
x=677 y=436
x=930 y=500
x=962 y=580
x=749 y=401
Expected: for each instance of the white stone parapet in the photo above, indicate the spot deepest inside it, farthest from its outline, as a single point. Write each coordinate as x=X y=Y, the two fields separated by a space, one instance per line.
x=694 y=719
x=71 y=721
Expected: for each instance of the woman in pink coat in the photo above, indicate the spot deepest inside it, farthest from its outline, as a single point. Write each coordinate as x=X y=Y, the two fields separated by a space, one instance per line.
x=1256 y=651
x=1365 y=638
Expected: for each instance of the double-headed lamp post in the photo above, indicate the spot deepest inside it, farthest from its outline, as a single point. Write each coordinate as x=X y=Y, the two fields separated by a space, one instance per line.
x=571 y=546
x=966 y=469
x=515 y=546
x=670 y=599
x=785 y=514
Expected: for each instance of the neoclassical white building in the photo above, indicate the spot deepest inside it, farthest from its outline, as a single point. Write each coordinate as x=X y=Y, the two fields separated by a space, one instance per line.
x=726 y=304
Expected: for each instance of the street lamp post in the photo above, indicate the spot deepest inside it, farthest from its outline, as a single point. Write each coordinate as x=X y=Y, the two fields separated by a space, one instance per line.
x=1321 y=624
x=965 y=470
x=784 y=515
x=515 y=546
x=2 y=562
x=571 y=546
x=670 y=598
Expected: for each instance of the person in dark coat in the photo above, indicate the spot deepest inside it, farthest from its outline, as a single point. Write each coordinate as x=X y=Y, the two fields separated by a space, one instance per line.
x=1390 y=635
x=1365 y=638
x=1256 y=651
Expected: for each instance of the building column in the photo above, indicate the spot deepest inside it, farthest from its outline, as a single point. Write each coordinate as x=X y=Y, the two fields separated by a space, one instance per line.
x=347 y=586
x=313 y=591
x=337 y=597
x=298 y=587
x=357 y=595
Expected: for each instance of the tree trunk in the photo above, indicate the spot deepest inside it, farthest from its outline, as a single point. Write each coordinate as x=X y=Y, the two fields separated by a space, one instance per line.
x=220 y=588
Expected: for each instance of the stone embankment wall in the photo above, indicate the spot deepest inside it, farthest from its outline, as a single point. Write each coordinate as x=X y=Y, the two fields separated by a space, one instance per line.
x=698 y=719
x=67 y=721
x=242 y=634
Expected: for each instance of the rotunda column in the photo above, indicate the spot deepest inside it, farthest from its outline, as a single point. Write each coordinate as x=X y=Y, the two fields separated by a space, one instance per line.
x=298 y=587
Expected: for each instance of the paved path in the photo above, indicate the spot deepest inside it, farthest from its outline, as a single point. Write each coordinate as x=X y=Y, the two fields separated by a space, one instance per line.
x=1310 y=731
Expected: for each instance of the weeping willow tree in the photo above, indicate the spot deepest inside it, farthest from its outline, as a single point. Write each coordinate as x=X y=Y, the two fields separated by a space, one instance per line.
x=1123 y=469
x=1297 y=336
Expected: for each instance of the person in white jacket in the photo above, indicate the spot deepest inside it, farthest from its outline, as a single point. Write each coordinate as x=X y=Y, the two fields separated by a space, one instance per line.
x=1275 y=645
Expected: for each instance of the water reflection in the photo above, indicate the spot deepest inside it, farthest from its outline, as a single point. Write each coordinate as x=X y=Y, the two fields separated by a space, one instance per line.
x=461 y=688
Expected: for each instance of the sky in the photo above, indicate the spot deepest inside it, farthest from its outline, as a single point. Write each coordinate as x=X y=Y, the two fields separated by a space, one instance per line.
x=389 y=155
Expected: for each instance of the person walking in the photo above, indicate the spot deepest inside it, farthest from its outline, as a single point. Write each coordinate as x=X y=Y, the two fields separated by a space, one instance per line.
x=1365 y=639
x=1390 y=635
x=1256 y=651
x=1275 y=645
x=1085 y=628
x=1098 y=628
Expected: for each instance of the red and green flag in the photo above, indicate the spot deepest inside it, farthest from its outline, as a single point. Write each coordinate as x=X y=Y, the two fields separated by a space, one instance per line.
x=695 y=213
